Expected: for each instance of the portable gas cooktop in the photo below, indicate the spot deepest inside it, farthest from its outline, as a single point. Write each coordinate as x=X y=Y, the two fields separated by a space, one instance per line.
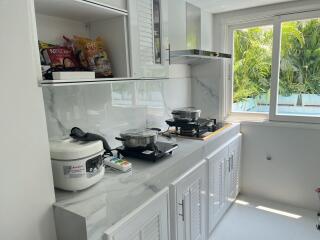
x=152 y=152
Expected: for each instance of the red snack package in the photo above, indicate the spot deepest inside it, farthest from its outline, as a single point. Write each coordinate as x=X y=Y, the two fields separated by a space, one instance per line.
x=60 y=57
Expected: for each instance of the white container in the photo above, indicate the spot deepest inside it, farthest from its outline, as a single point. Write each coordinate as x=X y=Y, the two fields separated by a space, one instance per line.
x=73 y=75
x=76 y=165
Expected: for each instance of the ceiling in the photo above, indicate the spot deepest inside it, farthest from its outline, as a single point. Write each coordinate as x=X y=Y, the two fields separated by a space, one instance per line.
x=218 y=6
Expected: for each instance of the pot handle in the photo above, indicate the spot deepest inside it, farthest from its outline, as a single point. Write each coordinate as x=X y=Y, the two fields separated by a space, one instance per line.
x=120 y=139
x=155 y=129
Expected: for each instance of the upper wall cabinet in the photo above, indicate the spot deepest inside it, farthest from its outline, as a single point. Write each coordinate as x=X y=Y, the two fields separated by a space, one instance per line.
x=148 y=26
x=90 y=19
x=116 y=4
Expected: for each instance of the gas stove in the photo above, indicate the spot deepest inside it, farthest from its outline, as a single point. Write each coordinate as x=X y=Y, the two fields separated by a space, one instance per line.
x=153 y=152
x=196 y=129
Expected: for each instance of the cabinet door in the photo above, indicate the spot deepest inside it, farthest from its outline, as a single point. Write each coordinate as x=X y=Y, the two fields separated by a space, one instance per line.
x=148 y=21
x=148 y=222
x=217 y=168
x=188 y=201
x=234 y=159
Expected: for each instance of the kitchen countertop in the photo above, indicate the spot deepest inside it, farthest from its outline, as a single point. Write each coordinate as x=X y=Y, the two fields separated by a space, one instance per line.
x=118 y=194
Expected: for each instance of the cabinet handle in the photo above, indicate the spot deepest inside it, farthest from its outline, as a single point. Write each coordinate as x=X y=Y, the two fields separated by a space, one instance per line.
x=169 y=50
x=229 y=164
x=182 y=211
x=232 y=158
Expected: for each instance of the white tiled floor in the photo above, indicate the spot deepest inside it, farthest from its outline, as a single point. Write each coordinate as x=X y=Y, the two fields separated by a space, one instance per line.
x=247 y=222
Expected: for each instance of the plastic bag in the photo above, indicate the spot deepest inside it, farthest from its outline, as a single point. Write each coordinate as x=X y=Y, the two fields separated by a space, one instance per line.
x=92 y=56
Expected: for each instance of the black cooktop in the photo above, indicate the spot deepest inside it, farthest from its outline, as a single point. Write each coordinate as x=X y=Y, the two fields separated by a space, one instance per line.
x=193 y=128
x=153 y=153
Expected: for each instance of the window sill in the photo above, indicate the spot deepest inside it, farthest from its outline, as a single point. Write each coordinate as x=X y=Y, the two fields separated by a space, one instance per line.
x=258 y=119
x=247 y=117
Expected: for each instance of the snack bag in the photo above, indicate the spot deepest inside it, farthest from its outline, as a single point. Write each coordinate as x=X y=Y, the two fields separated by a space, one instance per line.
x=43 y=46
x=92 y=56
x=60 y=57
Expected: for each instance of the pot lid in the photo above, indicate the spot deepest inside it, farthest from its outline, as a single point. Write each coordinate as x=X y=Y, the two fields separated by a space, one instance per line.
x=138 y=133
x=70 y=149
x=186 y=110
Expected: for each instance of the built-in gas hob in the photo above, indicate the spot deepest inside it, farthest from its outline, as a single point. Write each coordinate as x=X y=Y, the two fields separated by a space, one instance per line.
x=200 y=128
x=152 y=153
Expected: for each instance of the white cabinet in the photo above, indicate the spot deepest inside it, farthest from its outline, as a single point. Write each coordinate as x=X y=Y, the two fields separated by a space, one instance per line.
x=187 y=198
x=149 y=222
x=223 y=175
x=217 y=166
x=148 y=27
x=117 y=4
x=85 y=18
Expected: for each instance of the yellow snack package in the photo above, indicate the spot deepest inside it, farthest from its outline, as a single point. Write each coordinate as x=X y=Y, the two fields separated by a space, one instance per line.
x=92 y=56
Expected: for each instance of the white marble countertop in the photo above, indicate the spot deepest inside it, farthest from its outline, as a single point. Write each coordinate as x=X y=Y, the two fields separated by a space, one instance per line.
x=118 y=194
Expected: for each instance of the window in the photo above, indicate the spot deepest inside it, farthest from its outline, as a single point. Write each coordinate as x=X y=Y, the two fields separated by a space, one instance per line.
x=252 y=69
x=299 y=80
x=276 y=67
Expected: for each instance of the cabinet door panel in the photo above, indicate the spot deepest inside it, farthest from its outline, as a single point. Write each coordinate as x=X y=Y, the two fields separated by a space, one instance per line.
x=190 y=209
x=151 y=231
x=217 y=169
x=148 y=222
x=234 y=156
x=148 y=21
x=195 y=210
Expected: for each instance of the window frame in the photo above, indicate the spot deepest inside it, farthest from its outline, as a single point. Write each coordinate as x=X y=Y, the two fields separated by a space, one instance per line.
x=276 y=57
x=276 y=22
x=251 y=24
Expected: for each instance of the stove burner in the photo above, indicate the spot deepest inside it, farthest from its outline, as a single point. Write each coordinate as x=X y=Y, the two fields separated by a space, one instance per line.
x=152 y=152
x=193 y=128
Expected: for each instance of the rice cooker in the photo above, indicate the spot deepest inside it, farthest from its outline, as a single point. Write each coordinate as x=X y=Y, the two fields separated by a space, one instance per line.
x=76 y=165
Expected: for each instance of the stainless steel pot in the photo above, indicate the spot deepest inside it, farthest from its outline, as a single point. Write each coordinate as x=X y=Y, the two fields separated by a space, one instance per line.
x=137 y=138
x=186 y=114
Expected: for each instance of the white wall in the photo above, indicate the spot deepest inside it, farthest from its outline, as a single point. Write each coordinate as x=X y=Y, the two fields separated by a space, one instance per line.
x=25 y=177
x=294 y=170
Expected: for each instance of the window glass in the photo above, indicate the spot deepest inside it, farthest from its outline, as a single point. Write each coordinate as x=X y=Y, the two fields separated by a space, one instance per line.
x=252 y=69
x=299 y=81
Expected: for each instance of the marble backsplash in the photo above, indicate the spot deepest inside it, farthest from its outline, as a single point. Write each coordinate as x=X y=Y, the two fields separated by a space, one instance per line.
x=206 y=89
x=110 y=108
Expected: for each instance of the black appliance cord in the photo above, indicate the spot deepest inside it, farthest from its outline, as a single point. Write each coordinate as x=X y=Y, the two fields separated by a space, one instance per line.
x=78 y=134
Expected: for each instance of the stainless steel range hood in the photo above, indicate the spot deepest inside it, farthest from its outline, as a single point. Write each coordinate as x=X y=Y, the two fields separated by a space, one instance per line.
x=188 y=49
x=195 y=56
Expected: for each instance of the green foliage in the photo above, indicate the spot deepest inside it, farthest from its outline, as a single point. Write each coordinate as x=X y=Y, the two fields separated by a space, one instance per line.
x=300 y=59
x=252 y=62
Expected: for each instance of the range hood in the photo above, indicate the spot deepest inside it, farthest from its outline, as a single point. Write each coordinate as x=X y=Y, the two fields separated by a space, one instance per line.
x=195 y=56
x=189 y=50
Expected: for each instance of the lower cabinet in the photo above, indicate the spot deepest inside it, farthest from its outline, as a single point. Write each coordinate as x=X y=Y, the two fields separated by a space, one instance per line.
x=223 y=184
x=187 y=199
x=198 y=200
x=149 y=222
